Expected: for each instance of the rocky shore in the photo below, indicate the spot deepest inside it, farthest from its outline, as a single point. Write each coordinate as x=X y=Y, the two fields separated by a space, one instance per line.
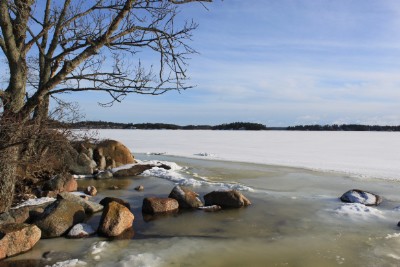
x=65 y=211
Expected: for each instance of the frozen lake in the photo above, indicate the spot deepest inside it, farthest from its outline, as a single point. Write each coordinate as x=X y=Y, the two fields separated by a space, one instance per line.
x=296 y=218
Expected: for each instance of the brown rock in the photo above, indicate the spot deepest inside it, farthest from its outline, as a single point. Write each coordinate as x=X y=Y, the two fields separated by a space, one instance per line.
x=115 y=219
x=59 y=217
x=139 y=188
x=90 y=190
x=152 y=205
x=17 y=238
x=186 y=198
x=226 y=199
x=114 y=151
x=61 y=183
x=107 y=200
x=133 y=171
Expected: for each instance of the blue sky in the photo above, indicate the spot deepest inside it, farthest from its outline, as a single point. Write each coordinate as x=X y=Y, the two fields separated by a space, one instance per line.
x=280 y=63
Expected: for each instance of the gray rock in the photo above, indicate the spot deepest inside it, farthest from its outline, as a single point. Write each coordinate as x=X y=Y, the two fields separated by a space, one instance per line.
x=104 y=175
x=19 y=215
x=59 y=217
x=89 y=206
x=186 y=198
x=361 y=197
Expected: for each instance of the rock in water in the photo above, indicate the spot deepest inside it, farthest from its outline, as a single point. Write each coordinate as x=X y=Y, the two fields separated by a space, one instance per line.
x=81 y=230
x=16 y=238
x=362 y=197
x=153 y=205
x=59 y=217
x=186 y=198
x=133 y=171
x=90 y=190
x=107 y=200
x=115 y=219
x=139 y=188
x=89 y=206
x=226 y=199
x=104 y=175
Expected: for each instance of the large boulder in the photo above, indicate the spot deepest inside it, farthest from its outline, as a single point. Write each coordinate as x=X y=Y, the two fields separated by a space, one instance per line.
x=59 y=217
x=115 y=219
x=61 y=183
x=133 y=171
x=153 y=205
x=226 y=199
x=89 y=206
x=186 y=198
x=114 y=152
x=362 y=197
x=19 y=215
x=17 y=238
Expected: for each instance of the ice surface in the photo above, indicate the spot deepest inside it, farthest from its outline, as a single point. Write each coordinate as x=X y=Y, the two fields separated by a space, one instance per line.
x=362 y=154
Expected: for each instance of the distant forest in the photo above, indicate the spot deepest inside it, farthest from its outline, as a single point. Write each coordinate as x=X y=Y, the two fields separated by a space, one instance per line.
x=159 y=126
x=229 y=126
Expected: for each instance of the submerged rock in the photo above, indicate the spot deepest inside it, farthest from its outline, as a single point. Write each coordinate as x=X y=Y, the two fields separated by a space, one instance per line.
x=133 y=171
x=186 y=198
x=361 y=197
x=116 y=219
x=104 y=175
x=226 y=199
x=153 y=205
x=16 y=238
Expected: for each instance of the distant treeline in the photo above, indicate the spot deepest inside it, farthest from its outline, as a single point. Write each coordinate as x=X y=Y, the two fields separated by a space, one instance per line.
x=344 y=127
x=158 y=126
x=229 y=126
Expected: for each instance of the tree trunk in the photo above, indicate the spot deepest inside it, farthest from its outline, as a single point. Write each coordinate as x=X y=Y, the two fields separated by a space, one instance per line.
x=9 y=157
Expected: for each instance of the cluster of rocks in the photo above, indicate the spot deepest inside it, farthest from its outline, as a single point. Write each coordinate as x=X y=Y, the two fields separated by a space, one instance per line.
x=183 y=198
x=21 y=229
x=88 y=158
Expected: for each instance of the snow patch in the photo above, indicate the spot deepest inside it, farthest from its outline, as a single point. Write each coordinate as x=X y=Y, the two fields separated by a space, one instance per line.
x=206 y=154
x=390 y=236
x=357 y=211
x=68 y=263
x=35 y=202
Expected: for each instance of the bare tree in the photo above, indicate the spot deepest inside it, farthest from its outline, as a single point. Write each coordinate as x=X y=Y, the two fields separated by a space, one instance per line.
x=55 y=47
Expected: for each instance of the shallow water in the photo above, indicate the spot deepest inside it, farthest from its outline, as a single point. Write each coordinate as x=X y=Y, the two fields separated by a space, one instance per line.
x=296 y=219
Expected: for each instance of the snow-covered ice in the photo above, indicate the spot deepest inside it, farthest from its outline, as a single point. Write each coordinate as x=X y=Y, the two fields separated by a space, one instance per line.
x=362 y=154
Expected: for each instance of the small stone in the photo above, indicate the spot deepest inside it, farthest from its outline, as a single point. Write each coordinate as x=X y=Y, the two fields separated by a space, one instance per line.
x=91 y=190
x=81 y=230
x=113 y=187
x=139 y=188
